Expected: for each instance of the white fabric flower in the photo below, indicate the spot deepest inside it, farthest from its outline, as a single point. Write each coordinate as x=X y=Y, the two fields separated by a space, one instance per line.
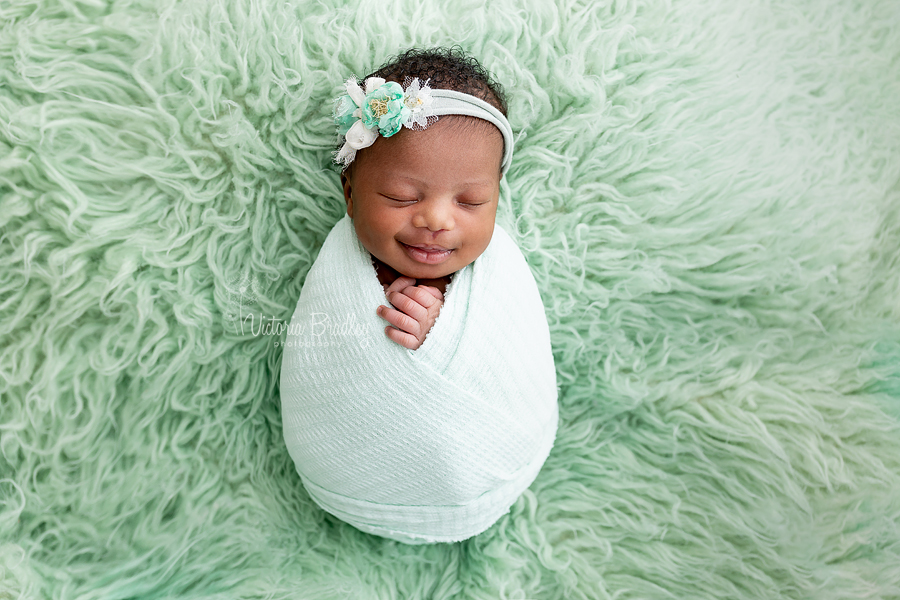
x=355 y=92
x=418 y=100
x=359 y=137
x=372 y=84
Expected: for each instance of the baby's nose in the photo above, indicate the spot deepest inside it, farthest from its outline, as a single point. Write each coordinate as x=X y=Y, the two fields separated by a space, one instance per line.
x=436 y=215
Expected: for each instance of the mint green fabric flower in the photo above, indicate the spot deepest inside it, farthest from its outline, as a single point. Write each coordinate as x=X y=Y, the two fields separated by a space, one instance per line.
x=384 y=109
x=345 y=113
x=391 y=123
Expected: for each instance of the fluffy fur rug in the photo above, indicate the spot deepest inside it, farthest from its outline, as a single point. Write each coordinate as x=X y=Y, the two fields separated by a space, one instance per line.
x=708 y=193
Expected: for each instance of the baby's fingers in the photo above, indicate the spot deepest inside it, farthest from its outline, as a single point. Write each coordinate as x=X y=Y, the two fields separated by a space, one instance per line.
x=399 y=284
x=406 y=340
x=400 y=320
x=425 y=295
x=402 y=301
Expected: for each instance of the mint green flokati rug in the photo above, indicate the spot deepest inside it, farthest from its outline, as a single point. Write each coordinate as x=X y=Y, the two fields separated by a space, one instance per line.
x=708 y=193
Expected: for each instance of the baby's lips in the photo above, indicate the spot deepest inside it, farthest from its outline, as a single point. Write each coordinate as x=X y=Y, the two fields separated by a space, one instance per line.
x=429 y=247
x=427 y=256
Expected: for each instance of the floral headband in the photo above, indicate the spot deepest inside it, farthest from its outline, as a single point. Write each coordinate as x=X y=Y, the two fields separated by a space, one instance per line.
x=384 y=107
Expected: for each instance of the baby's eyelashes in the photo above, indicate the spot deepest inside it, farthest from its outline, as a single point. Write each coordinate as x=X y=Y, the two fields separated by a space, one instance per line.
x=401 y=200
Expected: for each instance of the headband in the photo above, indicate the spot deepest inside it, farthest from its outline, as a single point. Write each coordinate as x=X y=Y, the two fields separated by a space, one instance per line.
x=384 y=107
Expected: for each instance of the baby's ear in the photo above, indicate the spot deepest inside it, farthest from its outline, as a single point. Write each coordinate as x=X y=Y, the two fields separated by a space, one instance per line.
x=348 y=198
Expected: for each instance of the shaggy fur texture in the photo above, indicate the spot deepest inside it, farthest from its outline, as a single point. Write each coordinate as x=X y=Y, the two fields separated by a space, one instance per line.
x=706 y=190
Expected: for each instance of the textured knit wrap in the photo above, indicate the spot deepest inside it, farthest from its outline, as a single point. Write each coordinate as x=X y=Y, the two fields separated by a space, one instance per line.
x=431 y=445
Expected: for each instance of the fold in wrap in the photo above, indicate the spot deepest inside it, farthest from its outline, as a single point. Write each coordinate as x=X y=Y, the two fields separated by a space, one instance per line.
x=431 y=445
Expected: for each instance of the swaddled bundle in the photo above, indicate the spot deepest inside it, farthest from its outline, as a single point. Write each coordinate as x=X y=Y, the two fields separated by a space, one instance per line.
x=431 y=445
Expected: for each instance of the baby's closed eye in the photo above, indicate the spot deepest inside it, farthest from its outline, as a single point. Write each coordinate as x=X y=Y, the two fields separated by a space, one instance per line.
x=400 y=198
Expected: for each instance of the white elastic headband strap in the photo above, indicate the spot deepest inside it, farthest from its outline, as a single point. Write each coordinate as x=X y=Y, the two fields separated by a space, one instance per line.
x=449 y=102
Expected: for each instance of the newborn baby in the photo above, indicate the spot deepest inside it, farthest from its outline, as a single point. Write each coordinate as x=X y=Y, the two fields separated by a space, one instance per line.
x=423 y=204
x=429 y=431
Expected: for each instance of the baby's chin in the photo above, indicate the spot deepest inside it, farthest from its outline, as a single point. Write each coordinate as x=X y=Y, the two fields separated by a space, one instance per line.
x=427 y=274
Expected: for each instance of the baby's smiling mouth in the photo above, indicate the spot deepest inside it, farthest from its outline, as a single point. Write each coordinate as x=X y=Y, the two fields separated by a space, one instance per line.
x=429 y=254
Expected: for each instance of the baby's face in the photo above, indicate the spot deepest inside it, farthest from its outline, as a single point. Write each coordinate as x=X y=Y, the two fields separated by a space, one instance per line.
x=424 y=202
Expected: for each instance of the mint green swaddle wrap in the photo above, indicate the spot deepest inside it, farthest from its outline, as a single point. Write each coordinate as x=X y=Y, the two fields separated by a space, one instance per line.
x=431 y=445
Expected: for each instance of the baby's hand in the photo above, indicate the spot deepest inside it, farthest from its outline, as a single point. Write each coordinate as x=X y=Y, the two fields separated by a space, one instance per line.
x=415 y=309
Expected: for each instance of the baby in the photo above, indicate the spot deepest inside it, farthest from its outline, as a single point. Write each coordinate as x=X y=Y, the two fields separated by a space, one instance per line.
x=423 y=203
x=431 y=432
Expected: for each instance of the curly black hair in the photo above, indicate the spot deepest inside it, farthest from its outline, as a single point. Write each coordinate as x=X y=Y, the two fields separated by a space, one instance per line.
x=446 y=68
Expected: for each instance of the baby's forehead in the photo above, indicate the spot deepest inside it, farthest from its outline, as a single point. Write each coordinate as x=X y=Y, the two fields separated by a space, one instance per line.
x=455 y=138
x=472 y=124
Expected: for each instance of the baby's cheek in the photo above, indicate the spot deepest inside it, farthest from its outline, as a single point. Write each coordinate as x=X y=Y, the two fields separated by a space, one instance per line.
x=480 y=244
